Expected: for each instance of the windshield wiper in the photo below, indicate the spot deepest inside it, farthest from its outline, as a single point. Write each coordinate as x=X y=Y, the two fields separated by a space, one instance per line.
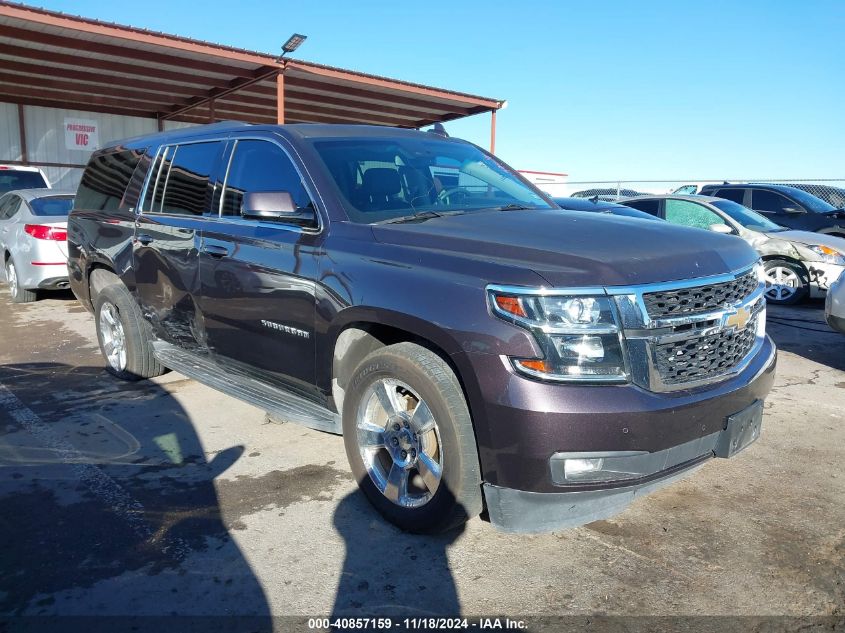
x=413 y=217
x=514 y=207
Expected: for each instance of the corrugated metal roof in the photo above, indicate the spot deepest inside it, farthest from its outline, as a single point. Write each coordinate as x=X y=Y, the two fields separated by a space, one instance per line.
x=48 y=57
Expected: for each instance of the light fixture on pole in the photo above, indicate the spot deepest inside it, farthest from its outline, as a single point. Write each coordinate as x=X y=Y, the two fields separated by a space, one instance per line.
x=294 y=42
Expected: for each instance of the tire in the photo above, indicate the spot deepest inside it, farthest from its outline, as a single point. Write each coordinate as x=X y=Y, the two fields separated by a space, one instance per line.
x=425 y=379
x=19 y=294
x=121 y=326
x=795 y=282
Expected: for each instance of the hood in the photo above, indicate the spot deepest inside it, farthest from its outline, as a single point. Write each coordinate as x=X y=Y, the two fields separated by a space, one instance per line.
x=808 y=238
x=572 y=248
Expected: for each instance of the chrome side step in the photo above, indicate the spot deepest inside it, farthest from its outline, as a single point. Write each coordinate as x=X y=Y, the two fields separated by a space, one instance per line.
x=284 y=405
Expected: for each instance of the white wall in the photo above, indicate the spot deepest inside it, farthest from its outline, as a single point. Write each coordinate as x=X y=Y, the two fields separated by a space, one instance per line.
x=45 y=138
x=10 y=137
x=552 y=184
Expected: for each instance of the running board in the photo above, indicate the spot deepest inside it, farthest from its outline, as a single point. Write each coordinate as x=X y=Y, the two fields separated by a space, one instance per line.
x=281 y=404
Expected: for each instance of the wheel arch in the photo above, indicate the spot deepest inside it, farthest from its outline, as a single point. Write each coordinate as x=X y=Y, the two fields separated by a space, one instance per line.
x=361 y=334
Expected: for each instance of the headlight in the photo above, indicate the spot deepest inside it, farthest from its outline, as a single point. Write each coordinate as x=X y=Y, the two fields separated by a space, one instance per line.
x=579 y=335
x=828 y=255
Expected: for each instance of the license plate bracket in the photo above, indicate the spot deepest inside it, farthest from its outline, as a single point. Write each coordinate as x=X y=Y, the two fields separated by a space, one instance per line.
x=742 y=430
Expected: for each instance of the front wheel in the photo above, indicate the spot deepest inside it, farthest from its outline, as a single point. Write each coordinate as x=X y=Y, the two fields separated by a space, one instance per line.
x=787 y=282
x=409 y=439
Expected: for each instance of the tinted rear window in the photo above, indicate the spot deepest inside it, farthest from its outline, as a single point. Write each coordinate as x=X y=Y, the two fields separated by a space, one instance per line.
x=12 y=179
x=652 y=207
x=735 y=195
x=105 y=180
x=51 y=205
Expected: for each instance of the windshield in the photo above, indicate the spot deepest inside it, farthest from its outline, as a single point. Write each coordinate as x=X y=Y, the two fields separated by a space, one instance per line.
x=51 y=205
x=810 y=202
x=383 y=179
x=746 y=217
x=13 y=179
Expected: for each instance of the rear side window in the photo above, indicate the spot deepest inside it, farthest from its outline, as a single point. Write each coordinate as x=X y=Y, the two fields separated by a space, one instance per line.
x=11 y=179
x=105 y=180
x=649 y=206
x=735 y=195
x=51 y=205
x=762 y=200
x=687 y=213
x=260 y=166
x=180 y=181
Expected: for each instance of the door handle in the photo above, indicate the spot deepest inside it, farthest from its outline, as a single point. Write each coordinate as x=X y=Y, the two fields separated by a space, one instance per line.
x=144 y=239
x=215 y=250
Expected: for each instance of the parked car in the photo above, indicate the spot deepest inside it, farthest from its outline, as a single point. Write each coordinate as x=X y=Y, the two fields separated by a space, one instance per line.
x=599 y=206
x=796 y=263
x=784 y=205
x=33 y=241
x=834 y=196
x=606 y=194
x=473 y=345
x=834 y=306
x=14 y=177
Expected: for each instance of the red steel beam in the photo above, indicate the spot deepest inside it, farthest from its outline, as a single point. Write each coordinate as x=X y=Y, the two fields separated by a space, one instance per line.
x=51 y=38
x=492 y=131
x=40 y=72
x=93 y=63
x=260 y=74
x=74 y=88
x=280 y=98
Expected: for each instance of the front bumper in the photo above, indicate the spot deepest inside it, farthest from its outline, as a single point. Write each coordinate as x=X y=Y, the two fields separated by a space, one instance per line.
x=522 y=424
x=822 y=276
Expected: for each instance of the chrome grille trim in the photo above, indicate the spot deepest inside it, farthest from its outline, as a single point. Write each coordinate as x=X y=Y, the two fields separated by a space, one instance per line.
x=699 y=299
x=645 y=334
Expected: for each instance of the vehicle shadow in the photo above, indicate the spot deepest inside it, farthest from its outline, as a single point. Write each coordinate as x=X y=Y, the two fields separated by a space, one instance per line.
x=109 y=506
x=389 y=573
x=802 y=330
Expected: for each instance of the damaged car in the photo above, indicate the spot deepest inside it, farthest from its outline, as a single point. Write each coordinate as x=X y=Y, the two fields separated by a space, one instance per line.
x=797 y=263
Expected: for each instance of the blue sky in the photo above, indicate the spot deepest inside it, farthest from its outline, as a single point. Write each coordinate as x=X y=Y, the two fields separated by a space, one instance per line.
x=600 y=90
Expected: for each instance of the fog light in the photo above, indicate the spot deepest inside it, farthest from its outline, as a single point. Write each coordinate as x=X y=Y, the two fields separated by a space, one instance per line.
x=575 y=468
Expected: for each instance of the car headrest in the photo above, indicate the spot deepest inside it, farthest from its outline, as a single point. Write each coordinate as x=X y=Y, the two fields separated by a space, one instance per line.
x=381 y=181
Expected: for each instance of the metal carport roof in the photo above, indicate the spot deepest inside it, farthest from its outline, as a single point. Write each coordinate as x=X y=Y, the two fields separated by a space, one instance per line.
x=58 y=60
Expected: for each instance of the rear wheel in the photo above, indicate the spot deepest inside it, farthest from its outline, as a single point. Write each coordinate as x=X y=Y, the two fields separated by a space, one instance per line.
x=124 y=335
x=410 y=441
x=787 y=282
x=19 y=294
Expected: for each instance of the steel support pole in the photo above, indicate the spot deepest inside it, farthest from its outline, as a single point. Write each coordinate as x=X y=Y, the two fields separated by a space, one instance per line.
x=492 y=131
x=280 y=98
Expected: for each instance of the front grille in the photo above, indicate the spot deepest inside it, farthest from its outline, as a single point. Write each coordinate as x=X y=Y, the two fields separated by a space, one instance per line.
x=704 y=357
x=698 y=299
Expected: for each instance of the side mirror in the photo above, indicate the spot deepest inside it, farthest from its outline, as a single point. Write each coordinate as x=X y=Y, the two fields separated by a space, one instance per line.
x=721 y=228
x=275 y=206
x=793 y=210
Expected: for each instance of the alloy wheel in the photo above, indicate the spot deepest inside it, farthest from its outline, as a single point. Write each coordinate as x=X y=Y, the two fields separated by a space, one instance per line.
x=781 y=283
x=12 y=278
x=399 y=443
x=113 y=336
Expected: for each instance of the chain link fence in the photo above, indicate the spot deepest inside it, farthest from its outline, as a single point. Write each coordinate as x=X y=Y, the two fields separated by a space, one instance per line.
x=831 y=191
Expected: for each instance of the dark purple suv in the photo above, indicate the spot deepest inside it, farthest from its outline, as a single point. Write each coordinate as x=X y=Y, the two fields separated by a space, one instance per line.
x=475 y=345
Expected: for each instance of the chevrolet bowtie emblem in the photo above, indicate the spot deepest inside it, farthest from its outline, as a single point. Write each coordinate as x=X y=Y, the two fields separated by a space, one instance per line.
x=739 y=319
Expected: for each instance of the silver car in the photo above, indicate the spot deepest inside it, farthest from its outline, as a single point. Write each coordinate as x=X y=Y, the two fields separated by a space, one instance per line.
x=797 y=263
x=33 y=240
x=834 y=305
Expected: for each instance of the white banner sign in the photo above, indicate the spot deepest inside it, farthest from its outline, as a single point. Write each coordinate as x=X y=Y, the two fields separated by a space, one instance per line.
x=81 y=134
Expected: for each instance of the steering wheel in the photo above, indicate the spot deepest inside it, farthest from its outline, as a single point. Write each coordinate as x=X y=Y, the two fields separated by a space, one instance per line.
x=448 y=192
